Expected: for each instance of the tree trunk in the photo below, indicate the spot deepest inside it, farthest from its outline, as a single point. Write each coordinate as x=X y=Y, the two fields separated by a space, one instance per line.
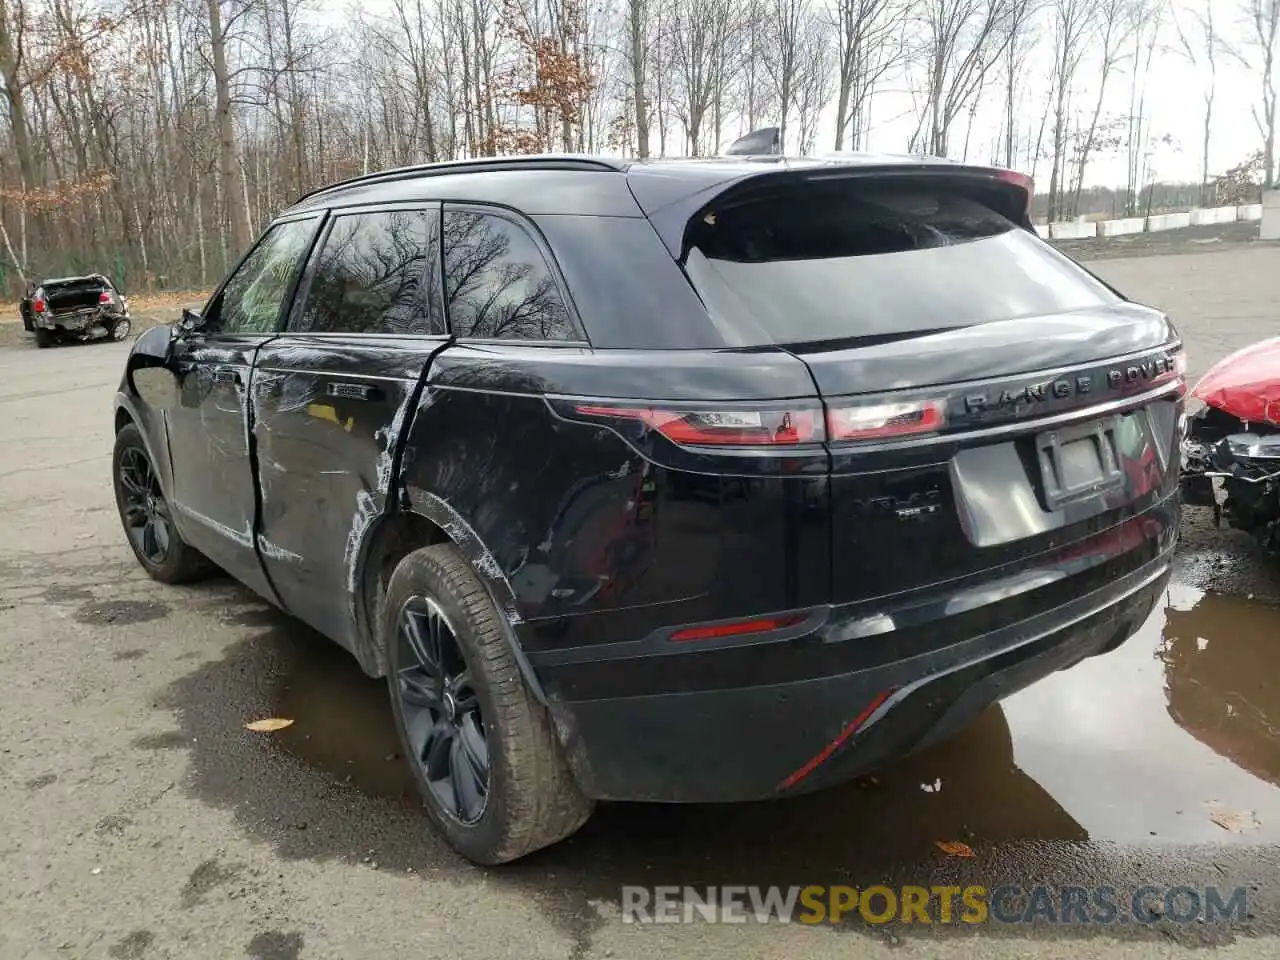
x=228 y=164
x=637 y=24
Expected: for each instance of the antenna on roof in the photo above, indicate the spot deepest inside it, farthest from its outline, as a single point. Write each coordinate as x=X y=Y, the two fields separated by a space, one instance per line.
x=766 y=142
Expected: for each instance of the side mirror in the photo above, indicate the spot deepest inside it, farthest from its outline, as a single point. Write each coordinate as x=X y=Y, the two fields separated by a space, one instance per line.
x=191 y=320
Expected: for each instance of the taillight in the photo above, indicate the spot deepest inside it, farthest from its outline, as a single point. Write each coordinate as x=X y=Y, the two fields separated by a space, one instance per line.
x=38 y=306
x=104 y=297
x=886 y=421
x=720 y=428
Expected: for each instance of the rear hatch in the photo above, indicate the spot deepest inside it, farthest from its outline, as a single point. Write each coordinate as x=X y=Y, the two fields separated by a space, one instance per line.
x=74 y=295
x=986 y=398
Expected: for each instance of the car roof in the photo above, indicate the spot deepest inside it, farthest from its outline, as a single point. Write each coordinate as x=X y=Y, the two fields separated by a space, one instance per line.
x=580 y=184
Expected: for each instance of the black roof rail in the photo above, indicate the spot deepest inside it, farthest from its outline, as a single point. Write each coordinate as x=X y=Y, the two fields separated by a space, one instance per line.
x=548 y=161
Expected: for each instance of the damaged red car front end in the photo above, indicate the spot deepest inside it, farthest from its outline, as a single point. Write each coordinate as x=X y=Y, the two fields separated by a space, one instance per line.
x=1231 y=454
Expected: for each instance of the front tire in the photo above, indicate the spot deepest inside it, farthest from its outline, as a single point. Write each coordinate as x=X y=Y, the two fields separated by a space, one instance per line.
x=482 y=750
x=146 y=516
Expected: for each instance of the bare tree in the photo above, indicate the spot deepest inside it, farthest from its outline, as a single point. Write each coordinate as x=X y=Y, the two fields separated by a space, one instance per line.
x=700 y=29
x=961 y=42
x=869 y=44
x=220 y=30
x=814 y=74
x=151 y=138
x=783 y=55
x=1200 y=45
x=1021 y=36
x=1115 y=21
x=1073 y=22
x=638 y=50
x=1257 y=52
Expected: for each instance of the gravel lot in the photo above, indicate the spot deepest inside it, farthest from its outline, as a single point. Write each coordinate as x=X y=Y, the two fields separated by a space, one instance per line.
x=138 y=819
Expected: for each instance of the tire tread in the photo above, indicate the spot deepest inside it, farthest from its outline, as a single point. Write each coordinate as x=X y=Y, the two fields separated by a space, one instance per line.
x=542 y=803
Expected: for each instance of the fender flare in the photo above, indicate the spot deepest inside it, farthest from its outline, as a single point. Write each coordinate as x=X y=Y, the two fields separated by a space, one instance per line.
x=463 y=536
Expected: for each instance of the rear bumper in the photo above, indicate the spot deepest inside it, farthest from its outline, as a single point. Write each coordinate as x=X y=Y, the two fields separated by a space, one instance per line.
x=772 y=739
x=80 y=320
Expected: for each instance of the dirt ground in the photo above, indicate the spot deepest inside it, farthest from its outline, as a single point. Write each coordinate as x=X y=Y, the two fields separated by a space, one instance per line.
x=139 y=820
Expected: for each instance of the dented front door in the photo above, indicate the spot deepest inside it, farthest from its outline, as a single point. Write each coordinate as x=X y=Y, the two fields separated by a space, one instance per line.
x=209 y=429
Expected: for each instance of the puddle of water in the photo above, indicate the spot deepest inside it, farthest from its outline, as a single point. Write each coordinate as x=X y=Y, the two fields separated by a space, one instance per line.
x=1181 y=722
x=1143 y=745
x=1141 y=740
x=1137 y=741
x=342 y=723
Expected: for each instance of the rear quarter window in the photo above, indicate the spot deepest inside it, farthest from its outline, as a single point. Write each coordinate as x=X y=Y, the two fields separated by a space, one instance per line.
x=629 y=291
x=848 y=260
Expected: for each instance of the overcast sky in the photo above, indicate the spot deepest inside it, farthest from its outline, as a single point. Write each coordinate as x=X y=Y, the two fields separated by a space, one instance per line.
x=1175 y=106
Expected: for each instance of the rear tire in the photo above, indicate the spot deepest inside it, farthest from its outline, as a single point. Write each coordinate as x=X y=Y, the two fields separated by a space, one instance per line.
x=119 y=330
x=146 y=515
x=476 y=706
x=45 y=338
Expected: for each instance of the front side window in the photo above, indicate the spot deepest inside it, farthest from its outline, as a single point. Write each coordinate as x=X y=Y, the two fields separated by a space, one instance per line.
x=373 y=274
x=253 y=298
x=497 y=283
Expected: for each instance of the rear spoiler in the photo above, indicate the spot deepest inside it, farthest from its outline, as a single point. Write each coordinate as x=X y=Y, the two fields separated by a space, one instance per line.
x=670 y=215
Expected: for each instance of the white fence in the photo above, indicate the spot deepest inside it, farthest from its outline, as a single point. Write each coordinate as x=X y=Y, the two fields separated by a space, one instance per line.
x=1087 y=229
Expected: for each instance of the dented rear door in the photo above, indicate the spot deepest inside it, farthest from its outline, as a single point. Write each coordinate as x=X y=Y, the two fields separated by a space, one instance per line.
x=331 y=395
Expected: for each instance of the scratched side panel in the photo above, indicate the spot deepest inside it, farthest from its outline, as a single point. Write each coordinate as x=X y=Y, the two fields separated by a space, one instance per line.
x=586 y=537
x=149 y=350
x=329 y=411
x=561 y=518
x=213 y=484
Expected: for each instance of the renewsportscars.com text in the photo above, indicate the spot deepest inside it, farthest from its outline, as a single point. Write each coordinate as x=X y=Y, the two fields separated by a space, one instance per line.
x=1007 y=904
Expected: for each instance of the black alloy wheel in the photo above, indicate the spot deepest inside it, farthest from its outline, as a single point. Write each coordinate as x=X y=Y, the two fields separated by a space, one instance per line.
x=482 y=749
x=444 y=725
x=147 y=521
x=146 y=516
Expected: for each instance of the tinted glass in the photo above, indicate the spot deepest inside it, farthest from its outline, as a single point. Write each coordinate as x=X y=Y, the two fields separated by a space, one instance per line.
x=372 y=275
x=827 y=262
x=635 y=296
x=497 y=284
x=252 y=299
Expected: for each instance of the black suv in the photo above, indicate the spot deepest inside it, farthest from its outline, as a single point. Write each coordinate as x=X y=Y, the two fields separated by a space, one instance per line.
x=667 y=481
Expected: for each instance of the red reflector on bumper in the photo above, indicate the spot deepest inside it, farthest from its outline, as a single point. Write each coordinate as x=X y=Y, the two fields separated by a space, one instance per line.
x=761 y=625
x=850 y=729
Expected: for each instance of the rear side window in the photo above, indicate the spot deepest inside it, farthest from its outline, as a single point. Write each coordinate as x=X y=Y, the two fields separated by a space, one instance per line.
x=842 y=261
x=373 y=274
x=497 y=283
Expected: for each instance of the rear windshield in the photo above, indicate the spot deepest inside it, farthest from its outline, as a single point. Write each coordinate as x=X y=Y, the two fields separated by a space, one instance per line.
x=842 y=261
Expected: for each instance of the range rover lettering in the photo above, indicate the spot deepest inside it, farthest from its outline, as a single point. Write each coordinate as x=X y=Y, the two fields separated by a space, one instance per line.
x=678 y=481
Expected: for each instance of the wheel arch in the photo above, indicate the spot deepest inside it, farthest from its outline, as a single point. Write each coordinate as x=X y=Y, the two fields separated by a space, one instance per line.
x=151 y=428
x=426 y=521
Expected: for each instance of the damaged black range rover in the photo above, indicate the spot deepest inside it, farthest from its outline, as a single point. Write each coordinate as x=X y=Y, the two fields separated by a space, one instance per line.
x=671 y=481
